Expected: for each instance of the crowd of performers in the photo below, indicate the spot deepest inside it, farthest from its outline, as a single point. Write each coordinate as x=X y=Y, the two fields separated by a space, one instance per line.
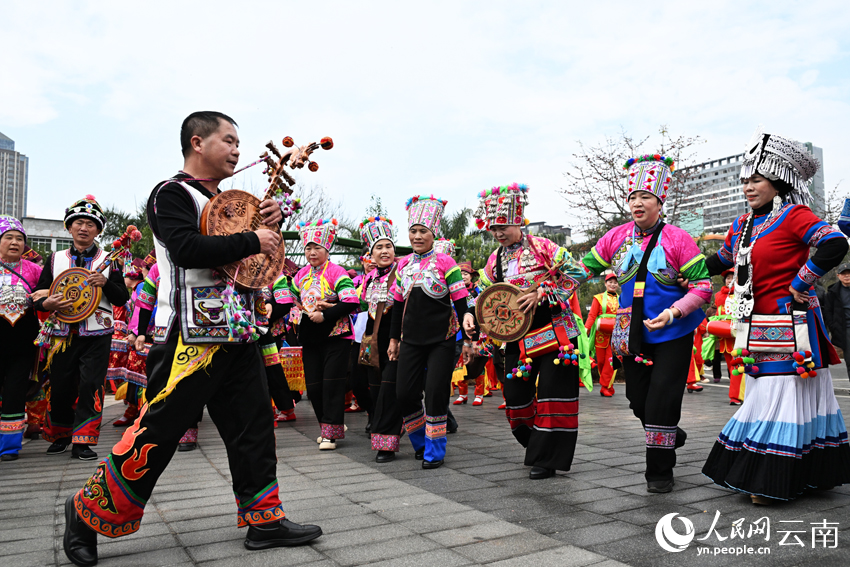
x=404 y=334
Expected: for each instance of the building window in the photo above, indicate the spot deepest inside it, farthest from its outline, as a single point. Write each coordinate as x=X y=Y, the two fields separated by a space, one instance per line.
x=63 y=244
x=36 y=242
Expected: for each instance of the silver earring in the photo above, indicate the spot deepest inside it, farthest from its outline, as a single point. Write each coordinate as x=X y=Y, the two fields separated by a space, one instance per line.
x=777 y=202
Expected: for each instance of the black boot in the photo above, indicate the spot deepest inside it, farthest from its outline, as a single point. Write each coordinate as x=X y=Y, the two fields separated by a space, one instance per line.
x=80 y=541
x=385 y=457
x=280 y=534
x=538 y=473
x=83 y=452
x=419 y=455
x=681 y=437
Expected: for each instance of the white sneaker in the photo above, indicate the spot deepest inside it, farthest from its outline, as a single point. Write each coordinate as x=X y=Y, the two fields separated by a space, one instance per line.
x=327 y=445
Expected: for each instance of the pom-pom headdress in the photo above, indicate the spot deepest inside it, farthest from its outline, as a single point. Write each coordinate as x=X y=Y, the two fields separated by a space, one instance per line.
x=321 y=232
x=781 y=159
x=8 y=223
x=87 y=208
x=503 y=206
x=652 y=173
x=427 y=211
x=373 y=229
x=443 y=246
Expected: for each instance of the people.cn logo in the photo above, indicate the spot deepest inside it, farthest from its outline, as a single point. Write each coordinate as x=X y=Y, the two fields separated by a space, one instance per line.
x=671 y=540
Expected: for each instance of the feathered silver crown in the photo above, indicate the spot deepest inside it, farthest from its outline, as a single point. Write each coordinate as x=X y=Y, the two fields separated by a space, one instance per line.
x=779 y=158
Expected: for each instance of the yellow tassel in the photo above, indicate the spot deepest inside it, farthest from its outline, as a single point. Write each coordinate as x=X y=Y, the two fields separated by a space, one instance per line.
x=57 y=344
x=187 y=361
x=121 y=392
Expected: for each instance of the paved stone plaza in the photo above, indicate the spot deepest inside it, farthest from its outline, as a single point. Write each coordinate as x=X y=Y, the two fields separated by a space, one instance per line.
x=478 y=509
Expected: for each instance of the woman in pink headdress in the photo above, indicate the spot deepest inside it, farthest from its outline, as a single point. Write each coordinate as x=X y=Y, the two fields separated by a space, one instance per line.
x=324 y=297
x=18 y=328
x=422 y=338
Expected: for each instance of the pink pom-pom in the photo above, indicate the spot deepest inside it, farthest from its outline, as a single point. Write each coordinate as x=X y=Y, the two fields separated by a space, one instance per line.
x=90 y=198
x=638 y=359
x=754 y=370
x=136 y=236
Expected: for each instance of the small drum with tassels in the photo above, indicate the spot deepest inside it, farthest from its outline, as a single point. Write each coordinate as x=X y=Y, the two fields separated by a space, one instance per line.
x=498 y=312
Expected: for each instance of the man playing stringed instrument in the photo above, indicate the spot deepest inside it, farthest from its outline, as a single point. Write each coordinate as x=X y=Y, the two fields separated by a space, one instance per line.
x=78 y=355
x=188 y=369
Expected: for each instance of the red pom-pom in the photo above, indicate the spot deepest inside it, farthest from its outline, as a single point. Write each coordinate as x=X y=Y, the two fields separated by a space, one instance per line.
x=117 y=244
x=326 y=143
x=287 y=142
x=90 y=198
x=657 y=156
x=479 y=223
x=136 y=236
x=313 y=166
x=808 y=354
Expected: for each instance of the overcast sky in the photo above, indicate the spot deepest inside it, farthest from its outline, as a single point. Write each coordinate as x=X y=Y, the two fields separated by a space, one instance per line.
x=446 y=98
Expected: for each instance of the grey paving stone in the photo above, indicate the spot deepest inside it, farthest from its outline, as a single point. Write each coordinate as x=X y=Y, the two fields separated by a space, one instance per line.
x=403 y=501
x=566 y=556
x=506 y=547
x=442 y=557
x=236 y=549
x=591 y=535
x=370 y=553
x=422 y=511
x=472 y=534
x=154 y=557
x=430 y=524
x=126 y=546
x=361 y=537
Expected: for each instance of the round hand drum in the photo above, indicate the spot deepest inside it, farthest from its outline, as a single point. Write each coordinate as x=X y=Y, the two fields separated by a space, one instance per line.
x=498 y=312
x=232 y=212
x=72 y=285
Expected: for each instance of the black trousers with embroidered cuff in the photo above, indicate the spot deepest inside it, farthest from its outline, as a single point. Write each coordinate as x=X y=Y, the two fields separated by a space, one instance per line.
x=233 y=387
x=544 y=417
x=387 y=419
x=78 y=374
x=428 y=368
x=325 y=373
x=655 y=396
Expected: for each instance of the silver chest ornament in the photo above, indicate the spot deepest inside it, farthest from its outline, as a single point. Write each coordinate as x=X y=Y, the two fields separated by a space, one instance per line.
x=425 y=275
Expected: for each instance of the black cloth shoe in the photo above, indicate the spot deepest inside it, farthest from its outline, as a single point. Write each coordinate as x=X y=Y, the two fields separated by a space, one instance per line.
x=660 y=486
x=419 y=455
x=540 y=472
x=681 y=437
x=9 y=457
x=280 y=534
x=385 y=457
x=83 y=453
x=80 y=541
x=369 y=426
x=183 y=447
x=432 y=464
x=58 y=447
